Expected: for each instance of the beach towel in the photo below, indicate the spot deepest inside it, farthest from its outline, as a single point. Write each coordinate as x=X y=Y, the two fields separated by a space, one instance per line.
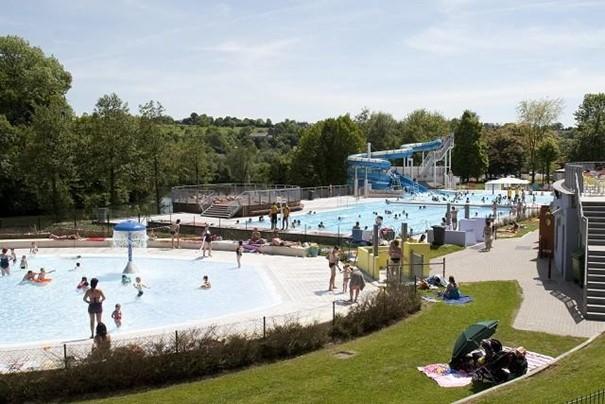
x=461 y=300
x=446 y=377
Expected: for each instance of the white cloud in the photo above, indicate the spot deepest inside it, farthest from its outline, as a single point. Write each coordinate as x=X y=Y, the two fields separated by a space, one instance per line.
x=463 y=39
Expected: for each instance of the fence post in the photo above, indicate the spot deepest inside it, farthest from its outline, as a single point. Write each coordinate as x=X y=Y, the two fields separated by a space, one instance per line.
x=333 y=313
x=65 y=356
x=415 y=284
x=443 y=268
x=264 y=327
x=176 y=341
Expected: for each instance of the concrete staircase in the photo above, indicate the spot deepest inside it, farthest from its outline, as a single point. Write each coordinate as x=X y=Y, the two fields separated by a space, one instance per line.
x=595 y=260
x=220 y=210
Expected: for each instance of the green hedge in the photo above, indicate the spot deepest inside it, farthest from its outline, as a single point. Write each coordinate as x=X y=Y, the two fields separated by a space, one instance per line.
x=198 y=354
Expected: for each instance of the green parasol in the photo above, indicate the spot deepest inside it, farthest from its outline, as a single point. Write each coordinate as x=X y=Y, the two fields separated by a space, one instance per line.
x=470 y=339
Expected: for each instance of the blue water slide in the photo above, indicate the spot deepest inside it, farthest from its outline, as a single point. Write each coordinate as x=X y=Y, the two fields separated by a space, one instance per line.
x=381 y=176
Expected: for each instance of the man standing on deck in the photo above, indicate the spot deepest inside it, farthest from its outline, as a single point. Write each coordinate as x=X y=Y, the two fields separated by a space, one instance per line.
x=273 y=215
x=285 y=212
x=333 y=258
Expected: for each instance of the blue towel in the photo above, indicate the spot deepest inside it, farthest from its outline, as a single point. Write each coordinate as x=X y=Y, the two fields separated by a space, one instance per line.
x=461 y=300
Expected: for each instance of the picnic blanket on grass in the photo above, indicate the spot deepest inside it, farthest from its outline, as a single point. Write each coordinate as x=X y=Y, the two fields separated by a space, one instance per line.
x=446 y=377
x=461 y=300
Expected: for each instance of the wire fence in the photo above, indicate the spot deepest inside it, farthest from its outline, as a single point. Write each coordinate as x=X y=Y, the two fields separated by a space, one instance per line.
x=597 y=397
x=76 y=352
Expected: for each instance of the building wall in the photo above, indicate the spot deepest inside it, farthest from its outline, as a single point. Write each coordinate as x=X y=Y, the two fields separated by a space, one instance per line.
x=566 y=233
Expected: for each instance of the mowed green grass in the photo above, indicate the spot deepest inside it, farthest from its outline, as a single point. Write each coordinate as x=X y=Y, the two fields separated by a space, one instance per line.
x=383 y=369
x=442 y=250
x=577 y=375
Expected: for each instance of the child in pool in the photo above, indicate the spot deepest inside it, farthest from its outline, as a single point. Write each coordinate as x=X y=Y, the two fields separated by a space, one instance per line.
x=206 y=284
x=42 y=274
x=23 y=264
x=117 y=315
x=83 y=285
x=238 y=253
x=30 y=276
x=125 y=279
x=13 y=256
x=34 y=248
x=139 y=285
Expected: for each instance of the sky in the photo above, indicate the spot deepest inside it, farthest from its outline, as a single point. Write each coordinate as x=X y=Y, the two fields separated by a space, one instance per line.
x=309 y=60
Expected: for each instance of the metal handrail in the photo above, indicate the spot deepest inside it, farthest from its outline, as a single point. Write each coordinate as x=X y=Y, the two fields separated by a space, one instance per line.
x=583 y=221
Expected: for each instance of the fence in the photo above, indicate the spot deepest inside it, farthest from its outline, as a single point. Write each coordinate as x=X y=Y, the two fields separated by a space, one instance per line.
x=327 y=191
x=597 y=397
x=63 y=355
x=92 y=222
x=590 y=177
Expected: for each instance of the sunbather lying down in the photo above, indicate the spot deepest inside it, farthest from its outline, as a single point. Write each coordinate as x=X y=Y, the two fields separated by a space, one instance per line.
x=74 y=236
x=278 y=242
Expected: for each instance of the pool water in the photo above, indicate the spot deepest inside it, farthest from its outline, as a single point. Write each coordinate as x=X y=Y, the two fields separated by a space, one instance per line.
x=56 y=312
x=342 y=219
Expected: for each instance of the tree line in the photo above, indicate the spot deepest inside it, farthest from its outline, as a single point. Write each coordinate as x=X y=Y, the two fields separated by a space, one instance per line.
x=53 y=160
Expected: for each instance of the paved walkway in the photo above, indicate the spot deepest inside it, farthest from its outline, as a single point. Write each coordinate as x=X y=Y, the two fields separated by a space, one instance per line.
x=549 y=305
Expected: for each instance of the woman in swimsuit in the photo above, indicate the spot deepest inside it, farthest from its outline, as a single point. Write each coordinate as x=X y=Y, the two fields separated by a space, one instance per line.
x=94 y=297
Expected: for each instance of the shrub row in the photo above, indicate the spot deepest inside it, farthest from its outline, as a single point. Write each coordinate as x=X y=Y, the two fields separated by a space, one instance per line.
x=197 y=354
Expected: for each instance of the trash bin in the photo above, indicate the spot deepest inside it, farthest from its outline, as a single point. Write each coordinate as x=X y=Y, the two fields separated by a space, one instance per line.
x=313 y=251
x=311 y=195
x=577 y=267
x=438 y=235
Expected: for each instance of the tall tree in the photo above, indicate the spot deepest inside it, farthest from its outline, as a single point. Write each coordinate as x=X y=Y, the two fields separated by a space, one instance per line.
x=28 y=79
x=113 y=146
x=505 y=151
x=48 y=155
x=154 y=146
x=589 y=142
x=321 y=157
x=537 y=116
x=548 y=153
x=422 y=125
x=382 y=130
x=469 y=158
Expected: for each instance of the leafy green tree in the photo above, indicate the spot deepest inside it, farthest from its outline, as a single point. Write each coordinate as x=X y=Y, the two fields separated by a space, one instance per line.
x=537 y=116
x=28 y=79
x=239 y=162
x=154 y=145
x=197 y=161
x=469 y=157
x=113 y=150
x=588 y=144
x=321 y=157
x=505 y=151
x=48 y=155
x=382 y=130
x=422 y=125
x=548 y=153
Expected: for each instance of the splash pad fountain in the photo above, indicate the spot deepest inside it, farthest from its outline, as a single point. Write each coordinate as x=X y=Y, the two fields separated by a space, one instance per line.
x=129 y=234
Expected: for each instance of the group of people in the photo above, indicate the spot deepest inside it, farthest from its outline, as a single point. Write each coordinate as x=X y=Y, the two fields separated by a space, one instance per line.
x=282 y=209
x=352 y=278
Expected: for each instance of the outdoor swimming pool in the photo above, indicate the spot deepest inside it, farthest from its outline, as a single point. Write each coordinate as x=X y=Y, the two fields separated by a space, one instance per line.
x=56 y=312
x=364 y=211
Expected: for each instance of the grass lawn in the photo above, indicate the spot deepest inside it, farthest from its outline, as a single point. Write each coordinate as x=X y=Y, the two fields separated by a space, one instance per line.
x=577 y=375
x=383 y=368
x=527 y=226
x=443 y=250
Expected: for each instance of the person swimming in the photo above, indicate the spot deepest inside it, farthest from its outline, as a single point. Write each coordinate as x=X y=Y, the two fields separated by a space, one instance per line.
x=83 y=285
x=125 y=279
x=42 y=275
x=205 y=283
x=30 y=276
x=139 y=285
